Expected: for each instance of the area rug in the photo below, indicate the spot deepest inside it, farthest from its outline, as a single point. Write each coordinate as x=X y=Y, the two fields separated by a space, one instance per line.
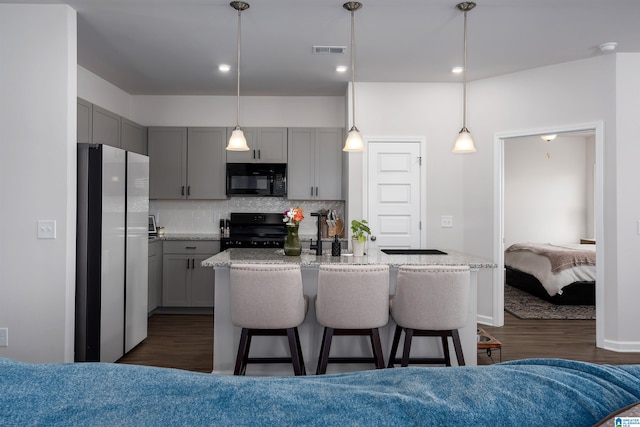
x=526 y=306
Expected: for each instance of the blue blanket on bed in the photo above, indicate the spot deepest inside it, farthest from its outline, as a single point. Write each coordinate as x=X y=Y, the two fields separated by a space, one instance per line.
x=535 y=392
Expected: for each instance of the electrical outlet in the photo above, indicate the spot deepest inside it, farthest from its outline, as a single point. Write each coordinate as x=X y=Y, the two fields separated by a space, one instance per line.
x=446 y=221
x=4 y=337
x=47 y=229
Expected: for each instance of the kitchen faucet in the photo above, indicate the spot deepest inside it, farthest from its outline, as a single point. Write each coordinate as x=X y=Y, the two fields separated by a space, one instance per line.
x=318 y=245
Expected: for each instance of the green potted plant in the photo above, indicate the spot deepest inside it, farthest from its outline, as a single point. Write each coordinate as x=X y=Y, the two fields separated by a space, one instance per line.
x=360 y=231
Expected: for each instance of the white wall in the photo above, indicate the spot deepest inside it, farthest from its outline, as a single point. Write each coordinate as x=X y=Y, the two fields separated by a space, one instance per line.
x=429 y=110
x=37 y=179
x=102 y=93
x=545 y=190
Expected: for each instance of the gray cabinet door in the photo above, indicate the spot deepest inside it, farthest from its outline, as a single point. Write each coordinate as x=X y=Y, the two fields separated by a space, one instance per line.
x=85 y=120
x=266 y=145
x=106 y=127
x=314 y=169
x=133 y=137
x=328 y=171
x=176 y=277
x=202 y=283
x=206 y=163
x=167 y=149
x=301 y=165
x=155 y=275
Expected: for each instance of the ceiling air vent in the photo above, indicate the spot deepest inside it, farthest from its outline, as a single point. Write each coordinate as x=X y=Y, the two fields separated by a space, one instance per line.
x=329 y=50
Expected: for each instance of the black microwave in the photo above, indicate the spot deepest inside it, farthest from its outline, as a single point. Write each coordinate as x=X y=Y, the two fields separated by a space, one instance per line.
x=257 y=179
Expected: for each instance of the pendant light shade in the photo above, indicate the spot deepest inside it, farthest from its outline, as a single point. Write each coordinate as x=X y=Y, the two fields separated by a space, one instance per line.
x=354 y=139
x=237 y=141
x=464 y=142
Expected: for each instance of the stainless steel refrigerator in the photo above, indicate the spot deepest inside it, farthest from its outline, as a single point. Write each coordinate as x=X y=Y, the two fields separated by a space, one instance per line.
x=111 y=252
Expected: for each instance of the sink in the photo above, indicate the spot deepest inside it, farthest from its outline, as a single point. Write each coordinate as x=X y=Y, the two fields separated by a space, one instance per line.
x=413 y=252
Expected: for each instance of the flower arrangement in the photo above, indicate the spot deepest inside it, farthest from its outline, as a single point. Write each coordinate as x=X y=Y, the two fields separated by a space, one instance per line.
x=293 y=216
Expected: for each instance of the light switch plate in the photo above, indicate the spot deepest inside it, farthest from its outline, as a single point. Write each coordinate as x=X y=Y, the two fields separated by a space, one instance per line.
x=46 y=229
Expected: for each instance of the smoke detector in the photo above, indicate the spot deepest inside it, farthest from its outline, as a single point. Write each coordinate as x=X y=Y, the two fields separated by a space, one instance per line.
x=608 y=47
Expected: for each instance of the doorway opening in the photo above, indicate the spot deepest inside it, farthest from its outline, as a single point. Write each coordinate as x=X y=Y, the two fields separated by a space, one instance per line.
x=504 y=237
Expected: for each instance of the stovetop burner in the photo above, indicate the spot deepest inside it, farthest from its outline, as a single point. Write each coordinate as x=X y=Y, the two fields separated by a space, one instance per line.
x=255 y=230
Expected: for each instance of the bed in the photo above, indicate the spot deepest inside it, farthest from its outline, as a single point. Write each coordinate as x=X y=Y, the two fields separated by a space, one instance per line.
x=560 y=274
x=534 y=392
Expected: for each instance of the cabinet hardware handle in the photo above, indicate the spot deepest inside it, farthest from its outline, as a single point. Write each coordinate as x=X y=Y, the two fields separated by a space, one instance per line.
x=259 y=156
x=254 y=154
x=193 y=263
x=182 y=191
x=311 y=191
x=188 y=190
x=316 y=191
x=191 y=247
x=188 y=265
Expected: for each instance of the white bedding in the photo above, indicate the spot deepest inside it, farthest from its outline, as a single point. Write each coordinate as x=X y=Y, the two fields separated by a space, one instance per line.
x=539 y=266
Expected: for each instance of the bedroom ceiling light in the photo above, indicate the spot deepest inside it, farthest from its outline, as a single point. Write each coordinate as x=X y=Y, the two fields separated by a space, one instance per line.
x=354 y=139
x=464 y=143
x=548 y=138
x=238 y=142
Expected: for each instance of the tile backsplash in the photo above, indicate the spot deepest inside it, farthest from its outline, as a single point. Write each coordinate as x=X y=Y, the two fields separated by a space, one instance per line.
x=203 y=216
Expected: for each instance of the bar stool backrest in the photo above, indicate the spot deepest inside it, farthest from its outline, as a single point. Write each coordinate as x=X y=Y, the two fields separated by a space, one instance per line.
x=266 y=296
x=431 y=297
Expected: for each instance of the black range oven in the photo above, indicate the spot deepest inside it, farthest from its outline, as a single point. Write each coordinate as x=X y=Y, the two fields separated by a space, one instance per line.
x=255 y=230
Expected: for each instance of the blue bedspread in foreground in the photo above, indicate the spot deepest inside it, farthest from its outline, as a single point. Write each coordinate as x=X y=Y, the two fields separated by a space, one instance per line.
x=535 y=392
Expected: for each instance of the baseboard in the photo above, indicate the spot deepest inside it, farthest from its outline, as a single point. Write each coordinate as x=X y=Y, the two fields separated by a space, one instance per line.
x=622 y=346
x=485 y=320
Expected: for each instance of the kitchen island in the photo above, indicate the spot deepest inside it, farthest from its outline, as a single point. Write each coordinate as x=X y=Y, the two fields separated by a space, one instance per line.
x=227 y=336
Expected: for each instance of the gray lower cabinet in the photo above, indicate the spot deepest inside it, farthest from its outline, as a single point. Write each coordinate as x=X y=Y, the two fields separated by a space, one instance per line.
x=266 y=145
x=185 y=283
x=155 y=275
x=187 y=163
x=314 y=169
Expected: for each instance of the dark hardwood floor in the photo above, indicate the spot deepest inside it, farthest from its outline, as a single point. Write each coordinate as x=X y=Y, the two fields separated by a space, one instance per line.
x=186 y=342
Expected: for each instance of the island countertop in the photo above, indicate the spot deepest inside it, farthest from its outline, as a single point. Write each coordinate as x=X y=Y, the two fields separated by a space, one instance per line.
x=310 y=259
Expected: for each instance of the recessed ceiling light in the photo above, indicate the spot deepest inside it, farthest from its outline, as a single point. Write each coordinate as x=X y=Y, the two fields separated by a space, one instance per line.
x=341 y=68
x=549 y=138
x=457 y=70
x=224 y=68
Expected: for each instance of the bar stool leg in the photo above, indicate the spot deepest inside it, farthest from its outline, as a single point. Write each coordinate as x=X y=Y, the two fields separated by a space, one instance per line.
x=457 y=345
x=376 y=346
x=304 y=369
x=243 y=351
x=293 y=348
x=394 y=346
x=325 y=348
x=445 y=348
x=408 y=335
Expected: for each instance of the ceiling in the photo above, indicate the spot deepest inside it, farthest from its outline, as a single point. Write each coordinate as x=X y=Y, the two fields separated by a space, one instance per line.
x=175 y=46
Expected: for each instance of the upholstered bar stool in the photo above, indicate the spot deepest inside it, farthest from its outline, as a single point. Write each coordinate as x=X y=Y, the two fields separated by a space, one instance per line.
x=267 y=300
x=352 y=300
x=430 y=301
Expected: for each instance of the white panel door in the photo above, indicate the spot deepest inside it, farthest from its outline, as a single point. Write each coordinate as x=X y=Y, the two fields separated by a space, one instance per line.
x=394 y=179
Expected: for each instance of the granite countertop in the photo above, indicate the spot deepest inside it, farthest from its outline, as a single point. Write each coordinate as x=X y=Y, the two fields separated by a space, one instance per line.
x=185 y=236
x=309 y=259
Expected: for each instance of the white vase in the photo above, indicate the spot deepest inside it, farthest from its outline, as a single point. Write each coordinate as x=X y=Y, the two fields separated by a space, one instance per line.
x=357 y=247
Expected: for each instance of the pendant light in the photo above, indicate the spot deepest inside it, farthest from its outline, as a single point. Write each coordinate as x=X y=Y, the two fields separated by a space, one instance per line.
x=354 y=139
x=464 y=143
x=238 y=142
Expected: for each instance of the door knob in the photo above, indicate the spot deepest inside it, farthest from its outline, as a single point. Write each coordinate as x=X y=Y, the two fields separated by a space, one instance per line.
x=373 y=238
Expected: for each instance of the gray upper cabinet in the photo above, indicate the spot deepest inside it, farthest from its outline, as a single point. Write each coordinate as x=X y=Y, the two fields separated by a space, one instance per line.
x=206 y=163
x=133 y=137
x=106 y=127
x=85 y=119
x=266 y=145
x=314 y=169
x=186 y=163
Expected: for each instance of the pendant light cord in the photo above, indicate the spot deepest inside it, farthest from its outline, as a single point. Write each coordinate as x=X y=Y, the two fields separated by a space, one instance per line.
x=353 y=71
x=238 y=71
x=464 y=76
